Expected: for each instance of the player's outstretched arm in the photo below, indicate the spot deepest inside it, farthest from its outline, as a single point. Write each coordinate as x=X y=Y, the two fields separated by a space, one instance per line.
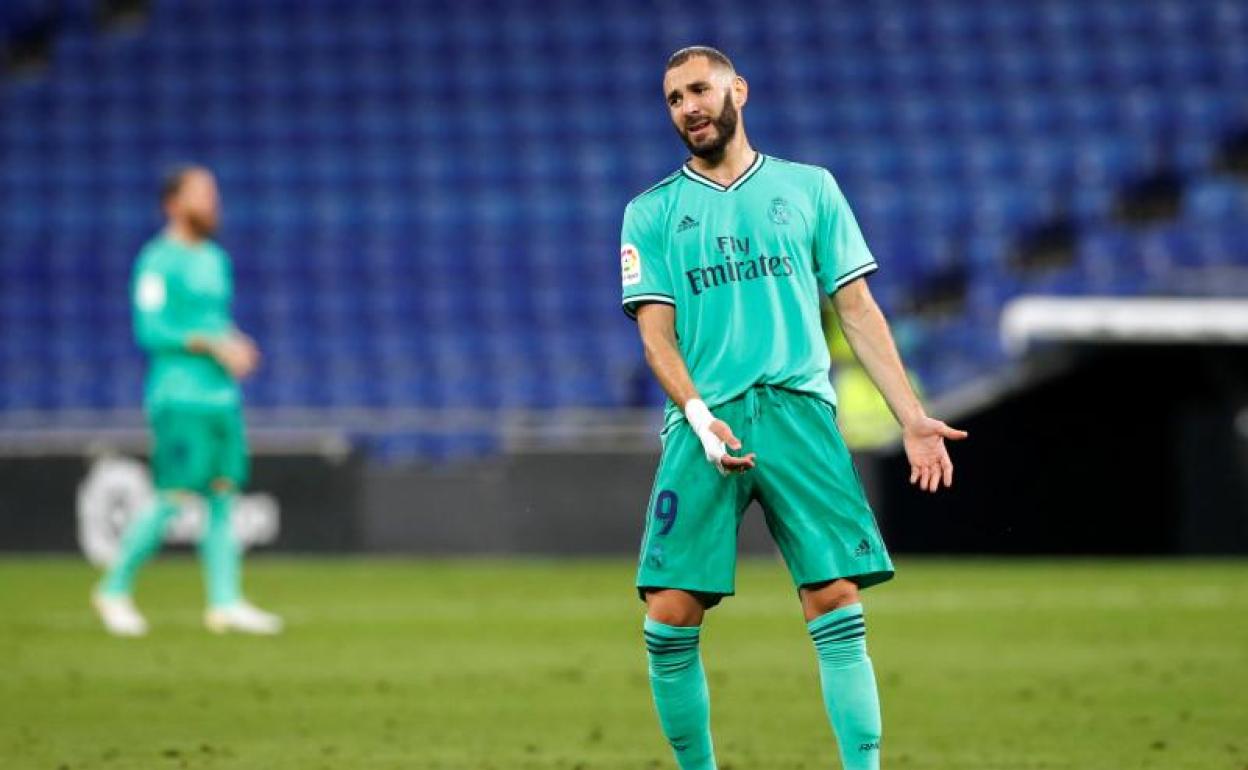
x=923 y=437
x=657 y=324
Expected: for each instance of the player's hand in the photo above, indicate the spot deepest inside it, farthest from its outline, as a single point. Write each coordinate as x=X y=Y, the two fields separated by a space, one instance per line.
x=725 y=462
x=717 y=438
x=254 y=349
x=237 y=354
x=924 y=440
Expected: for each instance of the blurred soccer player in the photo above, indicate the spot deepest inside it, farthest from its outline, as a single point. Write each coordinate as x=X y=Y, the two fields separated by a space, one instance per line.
x=181 y=292
x=723 y=264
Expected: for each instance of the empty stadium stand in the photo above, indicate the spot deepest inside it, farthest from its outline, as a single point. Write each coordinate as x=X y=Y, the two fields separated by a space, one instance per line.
x=423 y=199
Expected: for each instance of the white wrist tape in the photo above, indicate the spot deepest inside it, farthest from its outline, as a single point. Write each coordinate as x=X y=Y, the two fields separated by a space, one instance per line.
x=700 y=419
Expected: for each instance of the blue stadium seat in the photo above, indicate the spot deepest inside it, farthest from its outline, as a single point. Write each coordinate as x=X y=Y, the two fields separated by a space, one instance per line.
x=423 y=205
x=1217 y=200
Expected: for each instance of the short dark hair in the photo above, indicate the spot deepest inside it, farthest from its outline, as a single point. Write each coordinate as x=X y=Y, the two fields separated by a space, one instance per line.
x=174 y=177
x=715 y=56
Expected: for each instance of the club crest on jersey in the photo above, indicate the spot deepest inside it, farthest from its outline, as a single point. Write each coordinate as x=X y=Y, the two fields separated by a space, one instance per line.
x=779 y=211
x=630 y=265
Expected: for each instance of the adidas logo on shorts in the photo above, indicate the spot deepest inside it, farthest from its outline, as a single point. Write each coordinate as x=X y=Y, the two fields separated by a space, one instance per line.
x=863 y=549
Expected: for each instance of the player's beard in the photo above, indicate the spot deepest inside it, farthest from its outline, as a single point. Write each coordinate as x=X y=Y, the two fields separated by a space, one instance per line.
x=203 y=224
x=725 y=127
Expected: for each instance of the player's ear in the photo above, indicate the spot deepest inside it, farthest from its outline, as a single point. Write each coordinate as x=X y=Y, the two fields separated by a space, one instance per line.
x=740 y=91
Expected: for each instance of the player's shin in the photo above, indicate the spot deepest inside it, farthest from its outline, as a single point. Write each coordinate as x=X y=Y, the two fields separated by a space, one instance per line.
x=141 y=541
x=680 y=693
x=220 y=555
x=849 y=689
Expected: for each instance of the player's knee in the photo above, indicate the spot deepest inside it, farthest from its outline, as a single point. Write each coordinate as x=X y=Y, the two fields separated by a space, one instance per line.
x=674 y=608
x=675 y=616
x=223 y=486
x=176 y=498
x=822 y=599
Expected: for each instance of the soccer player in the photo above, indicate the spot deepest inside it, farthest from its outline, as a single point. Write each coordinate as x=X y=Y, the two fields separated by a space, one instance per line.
x=723 y=264
x=181 y=292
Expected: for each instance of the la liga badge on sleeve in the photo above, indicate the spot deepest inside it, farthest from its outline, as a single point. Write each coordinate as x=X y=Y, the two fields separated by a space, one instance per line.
x=630 y=265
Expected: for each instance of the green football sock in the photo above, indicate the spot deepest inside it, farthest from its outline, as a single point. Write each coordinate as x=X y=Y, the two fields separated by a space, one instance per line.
x=220 y=555
x=849 y=691
x=680 y=694
x=140 y=542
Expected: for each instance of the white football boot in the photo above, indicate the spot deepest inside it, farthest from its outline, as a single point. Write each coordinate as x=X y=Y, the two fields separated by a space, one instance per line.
x=244 y=618
x=120 y=616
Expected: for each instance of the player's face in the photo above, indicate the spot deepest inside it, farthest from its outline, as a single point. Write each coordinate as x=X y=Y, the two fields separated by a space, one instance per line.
x=702 y=100
x=197 y=204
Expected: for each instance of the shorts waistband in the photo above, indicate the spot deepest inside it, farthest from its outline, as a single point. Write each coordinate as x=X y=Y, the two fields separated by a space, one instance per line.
x=756 y=397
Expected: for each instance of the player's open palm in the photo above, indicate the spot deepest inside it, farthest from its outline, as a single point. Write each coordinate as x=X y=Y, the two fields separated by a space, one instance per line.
x=930 y=466
x=730 y=463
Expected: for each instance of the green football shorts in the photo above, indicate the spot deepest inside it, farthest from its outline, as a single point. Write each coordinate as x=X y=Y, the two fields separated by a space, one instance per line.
x=804 y=480
x=192 y=448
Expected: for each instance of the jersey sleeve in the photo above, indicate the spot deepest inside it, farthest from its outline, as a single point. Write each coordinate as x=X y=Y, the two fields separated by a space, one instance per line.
x=154 y=327
x=841 y=253
x=644 y=275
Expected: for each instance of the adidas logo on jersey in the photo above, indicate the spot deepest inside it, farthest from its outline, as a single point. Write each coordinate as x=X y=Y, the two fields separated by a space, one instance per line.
x=687 y=223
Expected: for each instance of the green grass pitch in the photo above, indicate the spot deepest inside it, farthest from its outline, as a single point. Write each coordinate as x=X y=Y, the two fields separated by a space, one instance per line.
x=475 y=665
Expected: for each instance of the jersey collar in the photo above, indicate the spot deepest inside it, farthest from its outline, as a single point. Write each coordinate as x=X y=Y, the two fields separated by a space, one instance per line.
x=759 y=159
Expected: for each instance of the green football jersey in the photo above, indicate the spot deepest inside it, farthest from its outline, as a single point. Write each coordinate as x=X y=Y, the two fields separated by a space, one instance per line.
x=744 y=266
x=180 y=291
